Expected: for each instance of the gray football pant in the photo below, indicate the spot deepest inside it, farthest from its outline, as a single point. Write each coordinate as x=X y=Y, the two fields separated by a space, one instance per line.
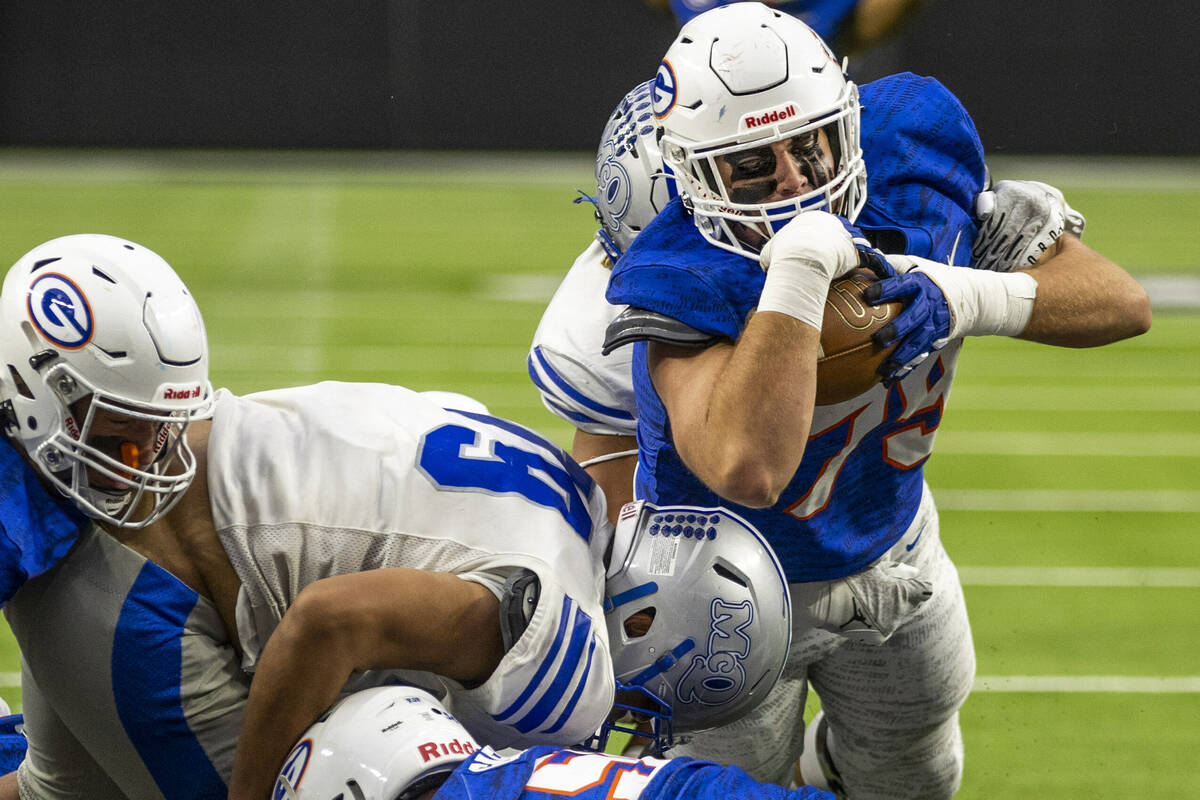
x=892 y=709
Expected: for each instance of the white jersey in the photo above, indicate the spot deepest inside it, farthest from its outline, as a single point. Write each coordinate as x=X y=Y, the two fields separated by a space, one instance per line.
x=338 y=478
x=592 y=392
x=131 y=688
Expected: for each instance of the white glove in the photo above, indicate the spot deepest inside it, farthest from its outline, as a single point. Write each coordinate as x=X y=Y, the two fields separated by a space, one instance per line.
x=801 y=260
x=871 y=605
x=1018 y=222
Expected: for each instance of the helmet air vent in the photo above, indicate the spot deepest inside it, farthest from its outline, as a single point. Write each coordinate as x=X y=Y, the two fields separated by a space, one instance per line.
x=729 y=575
x=19 y=382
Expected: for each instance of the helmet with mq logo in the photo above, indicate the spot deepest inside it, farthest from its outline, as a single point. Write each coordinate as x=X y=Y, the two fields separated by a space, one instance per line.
x=698 y=612
x=104 y=364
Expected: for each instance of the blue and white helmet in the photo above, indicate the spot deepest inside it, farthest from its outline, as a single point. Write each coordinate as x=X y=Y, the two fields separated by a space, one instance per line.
x=386 y=743
x=698 y=612
x=632 y=185
x=736 y=80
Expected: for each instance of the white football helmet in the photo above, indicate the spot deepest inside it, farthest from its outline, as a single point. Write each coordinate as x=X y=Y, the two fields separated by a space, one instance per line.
x=738 y=79
x=386 y=743
x=698 y=612
x=107 y=363
x=632 y=185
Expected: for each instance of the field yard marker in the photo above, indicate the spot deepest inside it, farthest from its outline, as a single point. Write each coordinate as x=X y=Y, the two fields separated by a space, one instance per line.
x=1162 y=500
x=1048 y=443
x=1087 y=683
x=1156 y=577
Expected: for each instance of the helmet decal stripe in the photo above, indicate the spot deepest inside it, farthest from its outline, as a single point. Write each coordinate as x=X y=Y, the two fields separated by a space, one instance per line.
x=629 y=595
x=665 y=663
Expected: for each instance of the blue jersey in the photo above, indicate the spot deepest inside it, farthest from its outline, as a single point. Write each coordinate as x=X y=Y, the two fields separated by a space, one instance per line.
x=826 y=17
x=550 y=772
x=924 y=167
x=36 y=529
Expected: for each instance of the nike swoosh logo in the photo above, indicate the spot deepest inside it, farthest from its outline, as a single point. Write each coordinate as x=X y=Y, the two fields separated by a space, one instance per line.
x=909 y=547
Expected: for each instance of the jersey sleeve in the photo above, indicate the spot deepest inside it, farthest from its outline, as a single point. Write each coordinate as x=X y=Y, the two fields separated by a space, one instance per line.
x=577 y=382
x=554 y=685
x=935 y=167
x=584 y=394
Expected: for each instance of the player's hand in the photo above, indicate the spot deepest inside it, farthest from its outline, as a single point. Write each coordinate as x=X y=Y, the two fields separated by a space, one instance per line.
x=814 y=240
x=1019 y=221
x=801 y=260
x=871 y=605
x=923 y=327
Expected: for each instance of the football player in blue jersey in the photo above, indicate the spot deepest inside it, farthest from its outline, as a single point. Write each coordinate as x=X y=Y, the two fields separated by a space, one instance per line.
x=780 y=193
x=400 y=743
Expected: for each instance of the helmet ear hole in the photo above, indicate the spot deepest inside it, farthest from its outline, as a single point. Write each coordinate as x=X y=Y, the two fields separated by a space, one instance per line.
x=638 y=623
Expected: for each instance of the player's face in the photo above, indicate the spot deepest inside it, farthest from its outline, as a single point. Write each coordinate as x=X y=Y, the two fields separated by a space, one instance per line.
x=125 y=439
x=778 y=171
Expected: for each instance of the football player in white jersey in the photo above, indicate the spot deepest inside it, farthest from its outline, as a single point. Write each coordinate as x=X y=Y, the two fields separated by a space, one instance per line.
x=399 y=743
x=591 y=391
x=308 y=536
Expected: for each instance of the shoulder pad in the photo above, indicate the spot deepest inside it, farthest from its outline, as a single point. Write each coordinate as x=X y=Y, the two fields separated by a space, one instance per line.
x=638 y=324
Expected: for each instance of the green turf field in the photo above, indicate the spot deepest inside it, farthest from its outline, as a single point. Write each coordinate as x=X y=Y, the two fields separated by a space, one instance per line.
x=1069 y=480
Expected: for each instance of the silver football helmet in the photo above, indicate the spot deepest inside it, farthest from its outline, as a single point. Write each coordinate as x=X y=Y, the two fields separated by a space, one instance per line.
x=385 y=743
x=632 y=185
x=107 y=364
x=742 y=88
x=698 y=613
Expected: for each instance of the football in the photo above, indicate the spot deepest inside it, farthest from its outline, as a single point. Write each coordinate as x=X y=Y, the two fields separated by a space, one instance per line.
x=848 y=358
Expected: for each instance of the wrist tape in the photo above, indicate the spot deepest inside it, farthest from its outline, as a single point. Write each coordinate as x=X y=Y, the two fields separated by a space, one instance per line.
x=984 y=303
x=796 y=287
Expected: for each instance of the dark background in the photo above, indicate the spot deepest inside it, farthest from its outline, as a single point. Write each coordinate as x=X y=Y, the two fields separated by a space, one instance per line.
x=1072 y=77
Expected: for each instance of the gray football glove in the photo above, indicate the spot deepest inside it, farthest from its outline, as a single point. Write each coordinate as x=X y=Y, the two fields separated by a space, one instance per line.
x=1018 y=222
x=871 y=605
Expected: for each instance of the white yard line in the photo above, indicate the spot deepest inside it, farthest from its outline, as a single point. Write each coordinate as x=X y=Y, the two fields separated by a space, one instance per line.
x=1147 y=684
x=1158 y=500
x=1047 y=443
x=1142 y=684
x=1170 y=577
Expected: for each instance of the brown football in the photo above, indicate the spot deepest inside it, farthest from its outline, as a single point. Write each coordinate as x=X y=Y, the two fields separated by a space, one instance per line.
x=849 y=358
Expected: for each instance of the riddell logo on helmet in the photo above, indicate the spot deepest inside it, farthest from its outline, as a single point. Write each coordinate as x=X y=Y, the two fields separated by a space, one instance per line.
x=182 y=394
x=776 y=115
x=431 y=750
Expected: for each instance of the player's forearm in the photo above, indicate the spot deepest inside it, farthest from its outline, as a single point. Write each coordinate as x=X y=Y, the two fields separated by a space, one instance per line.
x=297 y=679
x=742 y=426
x=1085 y=300
x=8 y=787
